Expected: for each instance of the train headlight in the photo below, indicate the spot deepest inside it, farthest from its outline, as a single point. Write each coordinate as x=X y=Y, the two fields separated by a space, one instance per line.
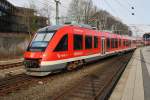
x=44 y=55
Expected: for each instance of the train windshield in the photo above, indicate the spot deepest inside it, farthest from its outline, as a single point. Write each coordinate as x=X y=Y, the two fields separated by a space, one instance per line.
x=40 y=41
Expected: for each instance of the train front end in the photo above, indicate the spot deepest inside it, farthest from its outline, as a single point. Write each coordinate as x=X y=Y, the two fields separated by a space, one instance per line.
x=34 y=54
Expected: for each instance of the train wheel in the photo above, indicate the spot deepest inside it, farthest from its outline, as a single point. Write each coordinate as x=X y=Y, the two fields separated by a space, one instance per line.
x=74 y=64
x=71 y=66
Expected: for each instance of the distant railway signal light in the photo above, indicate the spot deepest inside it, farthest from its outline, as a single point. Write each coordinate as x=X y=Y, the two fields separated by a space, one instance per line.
x=132 y=7
x=133 y=14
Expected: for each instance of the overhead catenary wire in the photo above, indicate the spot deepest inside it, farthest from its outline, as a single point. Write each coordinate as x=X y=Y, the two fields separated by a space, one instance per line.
x=41 y=4
x=111 y=8
x=48 y=3
x=123 y=6
x=132 y=11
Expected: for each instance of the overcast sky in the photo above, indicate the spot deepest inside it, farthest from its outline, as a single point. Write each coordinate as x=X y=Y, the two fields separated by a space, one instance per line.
x=123 y=10
x=119 y=8
x=25 y=3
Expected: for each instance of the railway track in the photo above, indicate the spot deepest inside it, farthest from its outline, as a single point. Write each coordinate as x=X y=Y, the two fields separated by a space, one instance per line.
x=11 y=84
x=98 y=85
x=90 y=87
x=18 y=82
x=11 y=65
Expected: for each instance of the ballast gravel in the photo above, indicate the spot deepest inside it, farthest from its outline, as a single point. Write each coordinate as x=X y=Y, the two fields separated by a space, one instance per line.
x=55 y=85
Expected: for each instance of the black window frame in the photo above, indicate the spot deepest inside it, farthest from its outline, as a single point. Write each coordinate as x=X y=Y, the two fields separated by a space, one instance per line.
x=124 y=42
x=40 y=49
x=130 y=42
x=88 y=42
x=113 y=42
x=120 y=42
x=116 y=43
x=108 y=43
x=95 y=41
x=59 y=47
x=77 y=42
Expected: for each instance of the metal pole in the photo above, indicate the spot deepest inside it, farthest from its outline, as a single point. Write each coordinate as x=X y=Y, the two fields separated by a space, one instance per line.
x=57 y=11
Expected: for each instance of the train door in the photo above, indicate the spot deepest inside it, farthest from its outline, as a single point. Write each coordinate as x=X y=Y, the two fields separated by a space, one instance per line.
x=103 y=45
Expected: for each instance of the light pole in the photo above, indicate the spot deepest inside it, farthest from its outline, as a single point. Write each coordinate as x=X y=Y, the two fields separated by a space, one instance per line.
x=57 y=10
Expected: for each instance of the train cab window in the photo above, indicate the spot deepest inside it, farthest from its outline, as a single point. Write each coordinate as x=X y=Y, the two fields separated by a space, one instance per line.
x=40 y=41
x=63 y=44
x=78 y=40
x=88 y=42
x=95 y=42
x=108 y=43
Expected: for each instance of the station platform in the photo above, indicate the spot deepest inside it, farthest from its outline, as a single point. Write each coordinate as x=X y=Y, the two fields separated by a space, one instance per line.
x=134 y=83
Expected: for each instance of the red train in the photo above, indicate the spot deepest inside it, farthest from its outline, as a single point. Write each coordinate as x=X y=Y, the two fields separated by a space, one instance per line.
x=54 y=48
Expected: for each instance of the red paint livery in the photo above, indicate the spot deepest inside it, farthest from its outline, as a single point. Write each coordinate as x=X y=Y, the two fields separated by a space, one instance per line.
x=57 y=47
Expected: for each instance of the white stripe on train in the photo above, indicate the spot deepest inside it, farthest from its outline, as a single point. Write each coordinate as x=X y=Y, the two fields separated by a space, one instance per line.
x=46 y=63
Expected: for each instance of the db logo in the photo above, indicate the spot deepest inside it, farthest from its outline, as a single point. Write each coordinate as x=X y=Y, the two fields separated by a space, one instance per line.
x=32 y=55
x=58 y=55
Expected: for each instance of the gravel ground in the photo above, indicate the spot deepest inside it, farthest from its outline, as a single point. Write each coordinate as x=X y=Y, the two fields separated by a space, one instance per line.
x=57 y=83
x=11 y=61
x=11 y=71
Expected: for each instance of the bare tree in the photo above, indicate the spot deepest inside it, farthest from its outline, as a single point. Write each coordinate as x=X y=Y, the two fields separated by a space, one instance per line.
x=84 y=11
x=46 y=10
x=105 y=21
x=88 y=7
x=31 y=17
x=73 y=11
x=81 y=10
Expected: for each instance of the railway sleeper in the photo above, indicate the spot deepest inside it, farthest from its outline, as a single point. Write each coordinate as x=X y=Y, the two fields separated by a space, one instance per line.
x=80 y=96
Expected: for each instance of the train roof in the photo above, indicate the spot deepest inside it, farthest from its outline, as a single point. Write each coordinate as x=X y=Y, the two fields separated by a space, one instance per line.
x=50 y=28
x=56 y=27
x=103 y=33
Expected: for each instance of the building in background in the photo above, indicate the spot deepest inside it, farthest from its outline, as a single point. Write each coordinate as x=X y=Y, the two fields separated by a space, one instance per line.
x=19 y=19
x=6 y=10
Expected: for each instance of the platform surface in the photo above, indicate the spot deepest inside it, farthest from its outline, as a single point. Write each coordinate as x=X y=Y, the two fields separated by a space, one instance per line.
x=134 y=84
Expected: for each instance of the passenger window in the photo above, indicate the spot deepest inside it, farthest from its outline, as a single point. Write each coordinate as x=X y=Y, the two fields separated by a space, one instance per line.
x=78 y=40
x=116 y=43
x=130 y=43
x=88 y=42
x=108 y=42
x=124 y=42
x=119 y=42
x=95 y=42
x=113 y=43
x=63 y=44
